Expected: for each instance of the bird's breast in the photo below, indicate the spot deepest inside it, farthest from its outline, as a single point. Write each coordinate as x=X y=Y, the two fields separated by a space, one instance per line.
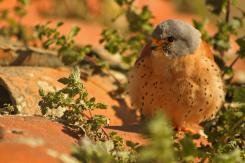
x=182 y=66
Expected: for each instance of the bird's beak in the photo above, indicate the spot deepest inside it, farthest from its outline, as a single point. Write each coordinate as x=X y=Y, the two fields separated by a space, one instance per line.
x=153 y=46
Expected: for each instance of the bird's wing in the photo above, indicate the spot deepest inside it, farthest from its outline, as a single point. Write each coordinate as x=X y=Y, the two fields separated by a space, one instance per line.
x=208 y=51
x=146 y=51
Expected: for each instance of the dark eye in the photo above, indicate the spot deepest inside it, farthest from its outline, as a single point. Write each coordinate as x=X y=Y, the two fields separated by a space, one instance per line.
x=170 y=39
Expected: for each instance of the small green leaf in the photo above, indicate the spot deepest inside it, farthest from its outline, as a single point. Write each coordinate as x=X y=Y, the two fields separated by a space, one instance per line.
x=74 y=31
x=241 y=43
x=64 y=80
x=59 y=24
x=48 y=43
x=41 y=92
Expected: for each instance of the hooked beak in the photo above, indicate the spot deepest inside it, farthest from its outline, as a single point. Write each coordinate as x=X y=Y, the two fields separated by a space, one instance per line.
x=153 y=46
x=155 y=43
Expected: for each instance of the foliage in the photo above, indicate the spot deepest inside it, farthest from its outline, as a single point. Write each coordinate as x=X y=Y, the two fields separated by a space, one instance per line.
x=78 y=116
x=13 y=27
x=90 y=152
x=160 y=149
x=64 y=44
x=8 y=109
x=140 y=28
x=226 y=131
x=74 y=99
x=226 y=27
x=102 y=151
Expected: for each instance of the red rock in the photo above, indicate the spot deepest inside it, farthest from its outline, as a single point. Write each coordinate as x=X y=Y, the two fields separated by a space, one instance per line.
x=23 y=84
x=40 y=138
x=21 y=153
x=34 y=139
x=43 y=132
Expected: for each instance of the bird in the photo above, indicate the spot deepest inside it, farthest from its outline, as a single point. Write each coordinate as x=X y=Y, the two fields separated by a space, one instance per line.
x=175 y=73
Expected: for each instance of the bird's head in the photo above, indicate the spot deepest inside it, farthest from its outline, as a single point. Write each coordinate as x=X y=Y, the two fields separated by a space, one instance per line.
x=175 y=38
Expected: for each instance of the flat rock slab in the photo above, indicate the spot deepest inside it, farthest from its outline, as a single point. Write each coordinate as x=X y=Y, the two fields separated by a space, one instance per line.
x=22 y=153
x=37 y=132
x=34 y=139
x=37 y=139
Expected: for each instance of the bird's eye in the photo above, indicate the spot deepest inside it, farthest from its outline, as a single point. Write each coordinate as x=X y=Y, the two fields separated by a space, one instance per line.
x=170 y=39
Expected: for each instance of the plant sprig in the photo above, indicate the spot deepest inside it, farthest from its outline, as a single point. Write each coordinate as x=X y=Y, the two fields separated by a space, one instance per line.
x=13 y=27
x=67 y=49
x=78 y=107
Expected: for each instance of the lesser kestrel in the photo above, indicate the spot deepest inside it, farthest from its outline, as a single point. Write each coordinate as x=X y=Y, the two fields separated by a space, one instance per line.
x=176 y=73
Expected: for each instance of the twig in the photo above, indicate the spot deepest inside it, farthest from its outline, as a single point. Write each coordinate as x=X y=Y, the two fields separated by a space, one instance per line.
x=107 y=136
x=90 y=113
x=85 y=115
x=232 y=63
x=240 y=9
x=228 y=11
x=118 y=15
x=227 y=20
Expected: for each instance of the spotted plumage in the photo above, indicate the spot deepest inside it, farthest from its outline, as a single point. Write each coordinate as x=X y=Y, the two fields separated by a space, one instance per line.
x=176 y=73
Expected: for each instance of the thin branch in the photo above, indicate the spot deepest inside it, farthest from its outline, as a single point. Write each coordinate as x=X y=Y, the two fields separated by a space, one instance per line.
x=85 y=115
x=227 y=20
x=90 y=113
x=240 y=9
x=107 y=136
x=232 y=63
x=228 y=11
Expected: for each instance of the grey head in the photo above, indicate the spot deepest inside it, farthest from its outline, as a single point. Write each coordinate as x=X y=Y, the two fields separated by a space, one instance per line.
x=176 y=38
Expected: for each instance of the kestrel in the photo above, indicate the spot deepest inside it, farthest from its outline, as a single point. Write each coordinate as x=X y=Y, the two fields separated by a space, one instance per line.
x=176 y=73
